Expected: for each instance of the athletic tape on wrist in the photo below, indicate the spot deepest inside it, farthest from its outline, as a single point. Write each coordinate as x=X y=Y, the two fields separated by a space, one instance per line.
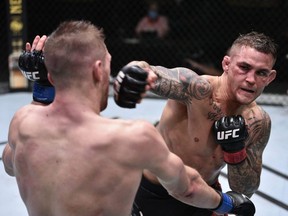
x=226 y=204
x=235 y=158
x=43 y=94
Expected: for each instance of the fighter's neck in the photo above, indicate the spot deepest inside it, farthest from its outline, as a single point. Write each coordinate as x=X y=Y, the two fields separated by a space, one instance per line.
x=222 y=96
x=71 y=103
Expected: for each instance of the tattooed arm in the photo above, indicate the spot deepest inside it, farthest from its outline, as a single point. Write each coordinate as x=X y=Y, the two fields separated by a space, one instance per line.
x=245 y=177
x=181 y=84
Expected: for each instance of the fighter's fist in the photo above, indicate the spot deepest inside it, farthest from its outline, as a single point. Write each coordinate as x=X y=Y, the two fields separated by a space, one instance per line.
x=235 y=203
x=230 y=132
x=31 y=63
x=129 y=84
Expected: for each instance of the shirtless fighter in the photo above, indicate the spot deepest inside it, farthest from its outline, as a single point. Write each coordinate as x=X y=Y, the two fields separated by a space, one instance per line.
x=208 y=121
x=69 y=160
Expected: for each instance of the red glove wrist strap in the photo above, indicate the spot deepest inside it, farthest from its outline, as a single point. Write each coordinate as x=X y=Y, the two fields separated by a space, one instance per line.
x=235 y=158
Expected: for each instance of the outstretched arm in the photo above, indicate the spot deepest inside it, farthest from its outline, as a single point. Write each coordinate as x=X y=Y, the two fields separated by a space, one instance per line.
x=180 y=84
x=187 y=185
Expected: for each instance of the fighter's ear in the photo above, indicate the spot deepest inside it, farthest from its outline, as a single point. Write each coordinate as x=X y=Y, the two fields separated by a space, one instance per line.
x=225 y=63
x=271 y=77
x=97 y=70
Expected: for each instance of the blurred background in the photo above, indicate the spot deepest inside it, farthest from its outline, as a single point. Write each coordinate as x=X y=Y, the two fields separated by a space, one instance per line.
x=199 y=31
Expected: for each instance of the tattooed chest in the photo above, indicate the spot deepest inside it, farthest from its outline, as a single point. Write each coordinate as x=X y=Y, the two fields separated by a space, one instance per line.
x=214 y=112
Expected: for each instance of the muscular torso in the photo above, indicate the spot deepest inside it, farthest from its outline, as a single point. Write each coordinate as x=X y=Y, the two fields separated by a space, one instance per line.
x=191 y=139
x=64 y=168
x=189 y=135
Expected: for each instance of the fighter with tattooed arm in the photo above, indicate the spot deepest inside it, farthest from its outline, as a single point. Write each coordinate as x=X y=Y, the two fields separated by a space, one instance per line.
x=208 y=121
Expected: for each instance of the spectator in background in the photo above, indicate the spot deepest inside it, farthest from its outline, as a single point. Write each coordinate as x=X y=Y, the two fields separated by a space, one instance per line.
x=182 y=16
x=153 y=23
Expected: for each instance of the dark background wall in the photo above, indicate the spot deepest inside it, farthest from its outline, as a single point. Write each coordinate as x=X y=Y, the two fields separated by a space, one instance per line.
x=200 y=29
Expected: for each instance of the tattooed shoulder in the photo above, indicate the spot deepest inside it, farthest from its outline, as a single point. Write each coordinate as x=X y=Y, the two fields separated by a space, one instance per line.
x=201 y=88
x=259 y=126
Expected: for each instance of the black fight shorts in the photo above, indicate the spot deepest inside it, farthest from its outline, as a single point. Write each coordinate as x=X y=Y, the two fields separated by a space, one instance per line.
x=153 y=200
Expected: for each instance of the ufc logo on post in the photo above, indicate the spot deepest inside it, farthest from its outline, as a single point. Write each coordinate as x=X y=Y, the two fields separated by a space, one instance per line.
x=224 y=135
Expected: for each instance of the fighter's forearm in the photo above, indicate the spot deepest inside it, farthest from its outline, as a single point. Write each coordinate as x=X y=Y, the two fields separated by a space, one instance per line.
x=168 y=83
x=197 y=193
x=243 y=178
x=180 y=84
x=7 y=160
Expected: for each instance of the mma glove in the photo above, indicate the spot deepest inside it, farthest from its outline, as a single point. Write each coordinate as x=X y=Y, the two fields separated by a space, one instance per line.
x=235 y=203
x=31 y=64
x=230 y=132
x=128 y=86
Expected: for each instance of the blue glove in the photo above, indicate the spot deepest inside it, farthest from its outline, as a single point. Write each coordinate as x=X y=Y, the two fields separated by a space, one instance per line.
x=235 y=203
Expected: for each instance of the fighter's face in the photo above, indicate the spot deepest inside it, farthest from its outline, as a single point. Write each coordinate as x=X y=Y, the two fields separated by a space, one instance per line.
x=249 y=72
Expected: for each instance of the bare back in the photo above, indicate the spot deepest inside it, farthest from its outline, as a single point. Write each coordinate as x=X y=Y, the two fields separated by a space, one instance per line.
x=65 y=168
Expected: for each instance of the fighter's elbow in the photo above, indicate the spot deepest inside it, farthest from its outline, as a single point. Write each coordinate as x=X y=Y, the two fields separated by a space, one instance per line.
x=9 y=171
x=7 y=161
x=247 y=191
x=192 y=190
x=8 y=167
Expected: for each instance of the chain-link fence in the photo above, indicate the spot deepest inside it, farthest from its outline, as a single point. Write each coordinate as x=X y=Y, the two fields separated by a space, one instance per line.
x=200 y=30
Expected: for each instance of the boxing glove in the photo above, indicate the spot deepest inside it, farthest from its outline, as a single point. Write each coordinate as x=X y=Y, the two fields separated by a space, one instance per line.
x=128 y=86
x=235 y=203
x=230 y=132
x=31 y=64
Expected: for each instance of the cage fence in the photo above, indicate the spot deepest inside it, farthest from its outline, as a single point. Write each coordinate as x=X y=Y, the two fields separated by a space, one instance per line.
x=200 y=30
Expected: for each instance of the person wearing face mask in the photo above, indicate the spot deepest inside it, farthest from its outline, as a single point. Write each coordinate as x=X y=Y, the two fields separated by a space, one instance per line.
x=153 y=23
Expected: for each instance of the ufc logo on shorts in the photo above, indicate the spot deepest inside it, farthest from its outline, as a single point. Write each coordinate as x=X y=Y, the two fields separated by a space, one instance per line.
x=224 y=135
x=32 y=75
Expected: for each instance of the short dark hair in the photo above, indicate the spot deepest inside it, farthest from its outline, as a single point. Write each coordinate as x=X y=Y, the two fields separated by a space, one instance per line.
x=258 y=41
